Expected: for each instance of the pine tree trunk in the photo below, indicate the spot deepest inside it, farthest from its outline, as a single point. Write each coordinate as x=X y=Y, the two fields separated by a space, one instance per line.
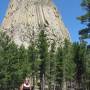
x=64 y=85
x=49 y=85
x=70 y=84
x=42 y=82
x=33 y=88
x=89 y=86
x=54 y=86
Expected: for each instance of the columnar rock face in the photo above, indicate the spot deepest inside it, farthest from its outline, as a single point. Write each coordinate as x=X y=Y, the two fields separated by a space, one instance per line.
x=25 y=18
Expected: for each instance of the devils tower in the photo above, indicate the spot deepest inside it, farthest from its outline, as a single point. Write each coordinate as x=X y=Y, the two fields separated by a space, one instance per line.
x=25 y=18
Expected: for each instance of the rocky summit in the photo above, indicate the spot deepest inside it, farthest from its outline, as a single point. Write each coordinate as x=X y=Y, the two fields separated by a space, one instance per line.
x=25 y=18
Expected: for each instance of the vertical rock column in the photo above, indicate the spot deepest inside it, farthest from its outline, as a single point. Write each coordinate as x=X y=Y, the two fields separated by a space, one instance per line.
x=24 y=17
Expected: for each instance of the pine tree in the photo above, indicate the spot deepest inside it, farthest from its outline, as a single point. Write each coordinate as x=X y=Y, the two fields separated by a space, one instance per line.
x=52 y=67
x=22 y=59
x=43 y=52
x=8 y=65
x=4 y=43
x=68 y=65
x=59 y=67
x=85 y=33
x=88 y=69
x=79 y=59
x=33 y=62
x=85 y=19
x=12 y=69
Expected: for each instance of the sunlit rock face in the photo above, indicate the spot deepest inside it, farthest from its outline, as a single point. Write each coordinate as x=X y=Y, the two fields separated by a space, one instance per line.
x=25 y=18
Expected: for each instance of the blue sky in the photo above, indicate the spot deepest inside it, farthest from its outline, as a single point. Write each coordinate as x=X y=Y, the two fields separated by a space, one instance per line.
x=69 y=9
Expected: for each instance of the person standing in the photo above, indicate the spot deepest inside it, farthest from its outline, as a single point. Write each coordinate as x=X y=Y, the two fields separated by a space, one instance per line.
x=26 y=85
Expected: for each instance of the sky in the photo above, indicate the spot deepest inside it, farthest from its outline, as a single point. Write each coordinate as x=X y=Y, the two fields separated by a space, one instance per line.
x=68 y=9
